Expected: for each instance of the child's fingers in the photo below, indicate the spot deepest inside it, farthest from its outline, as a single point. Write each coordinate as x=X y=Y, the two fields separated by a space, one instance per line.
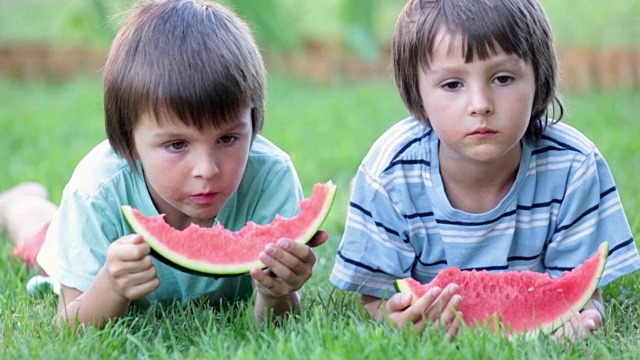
x=288 y=257
x=318 y=239
x=269 y=285
x=136 y=277
x=398 y=302
x=440 y=302
x=591 y=319
x=131 y=239
x=133 y=279
x=128 y=248
x=420 y=308
x=448 y=315
x=142 y=289
x=588 y=321
x=292 y=264
x=453 y=328
x=567 y=330
x=122 y=268
x=580 y=325
x=396 y=309
x=293 y=279
x=265 y=277
x=401 y=312
x=301 y=251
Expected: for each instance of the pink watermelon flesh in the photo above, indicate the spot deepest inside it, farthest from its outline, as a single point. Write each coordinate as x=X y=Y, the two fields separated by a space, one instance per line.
x=219 y=251
x=524 y=302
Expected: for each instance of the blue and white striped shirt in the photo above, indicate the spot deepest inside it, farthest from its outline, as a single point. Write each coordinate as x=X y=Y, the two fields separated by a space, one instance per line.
x=562 y=205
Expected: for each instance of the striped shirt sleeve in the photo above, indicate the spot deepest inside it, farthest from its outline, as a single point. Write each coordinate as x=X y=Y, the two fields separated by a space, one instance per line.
x=592 y=213
x=375 y=248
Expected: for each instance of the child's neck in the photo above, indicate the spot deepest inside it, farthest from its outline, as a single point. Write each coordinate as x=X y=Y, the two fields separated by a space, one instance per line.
x=477 y=188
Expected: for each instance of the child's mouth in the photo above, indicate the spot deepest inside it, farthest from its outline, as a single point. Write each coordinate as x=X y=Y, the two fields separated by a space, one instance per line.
x=204 y=198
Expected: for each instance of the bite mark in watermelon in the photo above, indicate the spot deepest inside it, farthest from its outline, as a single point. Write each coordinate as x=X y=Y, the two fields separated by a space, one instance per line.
x=219 y=251
x=524 y=302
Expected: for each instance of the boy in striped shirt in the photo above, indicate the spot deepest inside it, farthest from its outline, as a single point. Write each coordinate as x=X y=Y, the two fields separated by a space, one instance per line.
x=482 y=175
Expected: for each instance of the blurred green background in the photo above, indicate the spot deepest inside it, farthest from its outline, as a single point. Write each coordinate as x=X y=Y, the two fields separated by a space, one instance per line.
x=598 y=42
x=282 y=23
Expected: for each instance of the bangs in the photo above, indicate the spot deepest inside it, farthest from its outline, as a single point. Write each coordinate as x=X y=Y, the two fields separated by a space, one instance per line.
x=192 y=99
x=194 y=74
x=482 y=31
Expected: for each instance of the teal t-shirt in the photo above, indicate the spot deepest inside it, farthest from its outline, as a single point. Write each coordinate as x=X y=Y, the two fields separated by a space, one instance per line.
x=90 y=219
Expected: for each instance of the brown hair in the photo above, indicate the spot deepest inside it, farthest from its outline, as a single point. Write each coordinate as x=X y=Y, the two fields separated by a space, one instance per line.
x=192 y=59
x=518 y=27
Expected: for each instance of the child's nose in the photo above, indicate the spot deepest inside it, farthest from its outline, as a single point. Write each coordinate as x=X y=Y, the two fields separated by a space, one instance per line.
x=480 y=103
x=205 y=166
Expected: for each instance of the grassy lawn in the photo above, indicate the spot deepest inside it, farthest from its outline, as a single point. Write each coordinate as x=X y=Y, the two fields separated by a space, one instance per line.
x=48 y=127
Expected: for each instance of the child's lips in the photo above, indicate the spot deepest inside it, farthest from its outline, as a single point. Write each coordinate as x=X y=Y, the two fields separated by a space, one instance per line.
x=204 y=198
x=483 y=133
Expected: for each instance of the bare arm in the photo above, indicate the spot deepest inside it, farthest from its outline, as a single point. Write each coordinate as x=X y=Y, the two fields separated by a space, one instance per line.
x=275 y=306
x=128 y=275
x=95 y=306
x=374 y=305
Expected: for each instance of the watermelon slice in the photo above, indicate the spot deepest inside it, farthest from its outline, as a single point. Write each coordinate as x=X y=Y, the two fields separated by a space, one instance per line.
x=524 y=302
x=218 y=251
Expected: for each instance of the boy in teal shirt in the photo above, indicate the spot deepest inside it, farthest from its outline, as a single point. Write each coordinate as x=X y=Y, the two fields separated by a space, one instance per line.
x=184 y=102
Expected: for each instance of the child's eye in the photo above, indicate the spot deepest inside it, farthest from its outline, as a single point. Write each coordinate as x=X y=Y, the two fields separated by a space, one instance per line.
x=452 y=85
x=503 y=79
x=176 y=146
x=228 y=139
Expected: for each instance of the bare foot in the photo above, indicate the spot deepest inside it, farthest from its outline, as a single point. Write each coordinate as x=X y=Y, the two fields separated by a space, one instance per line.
x=17 y=192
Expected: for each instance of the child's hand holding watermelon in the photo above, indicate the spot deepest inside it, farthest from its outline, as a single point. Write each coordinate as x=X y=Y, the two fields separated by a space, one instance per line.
x=290 y=265
x=584 y=322
x=436 y=307
x=129 y=268
x=127 y=275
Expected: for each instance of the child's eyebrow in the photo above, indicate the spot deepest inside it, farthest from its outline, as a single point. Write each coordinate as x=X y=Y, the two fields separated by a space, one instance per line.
x=235 y=125
x=167 y=134
x=510 y=60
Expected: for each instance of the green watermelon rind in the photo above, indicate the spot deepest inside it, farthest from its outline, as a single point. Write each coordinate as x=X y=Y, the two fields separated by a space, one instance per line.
x=207 y=268
x=402 y=286
x=603 y=251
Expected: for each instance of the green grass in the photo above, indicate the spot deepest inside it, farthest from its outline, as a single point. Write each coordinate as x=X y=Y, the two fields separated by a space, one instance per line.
x=47 y=127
